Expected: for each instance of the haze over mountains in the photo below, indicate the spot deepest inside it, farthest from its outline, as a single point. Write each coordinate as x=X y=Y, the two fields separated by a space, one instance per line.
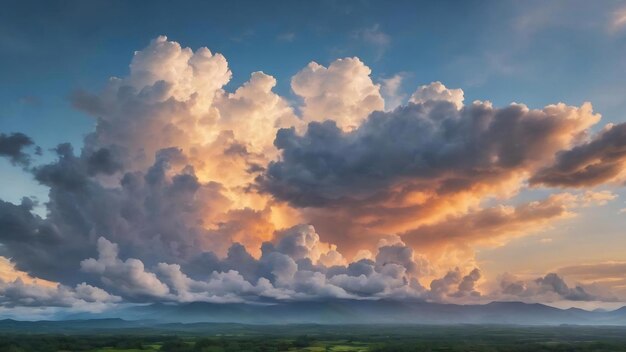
x=356 y=312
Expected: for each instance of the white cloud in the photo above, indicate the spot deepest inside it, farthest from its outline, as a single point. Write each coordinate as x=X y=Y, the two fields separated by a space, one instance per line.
x=373 y=36
x=343 y=92
x=285 y=272
x=436 y=91
x=129 y=277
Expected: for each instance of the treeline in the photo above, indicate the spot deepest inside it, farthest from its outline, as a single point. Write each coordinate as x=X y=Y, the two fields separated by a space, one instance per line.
x=252 y=344
x=490 y=346
x=276 y=343
x=55 y=343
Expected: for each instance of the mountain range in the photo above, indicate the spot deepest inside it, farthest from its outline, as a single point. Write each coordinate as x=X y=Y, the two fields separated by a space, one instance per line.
x=360 y=312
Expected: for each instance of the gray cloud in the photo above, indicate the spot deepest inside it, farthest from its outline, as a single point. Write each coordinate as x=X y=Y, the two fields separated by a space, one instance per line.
x=455 y=284
x=127 y=276
x=154 y=215
x=284 y=271
x=431 y=145
x=598 y=161
x=554 y=283
x=550 y=287
x=12 y=146
x=18 y=293
x=162 y=202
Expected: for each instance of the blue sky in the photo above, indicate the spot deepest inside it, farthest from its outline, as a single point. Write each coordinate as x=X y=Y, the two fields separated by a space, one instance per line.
x=534 y=52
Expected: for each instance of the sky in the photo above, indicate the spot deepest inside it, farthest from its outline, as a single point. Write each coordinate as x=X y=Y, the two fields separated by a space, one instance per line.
x=458 y=152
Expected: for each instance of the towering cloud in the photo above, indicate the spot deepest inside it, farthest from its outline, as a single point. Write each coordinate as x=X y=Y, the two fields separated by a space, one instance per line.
x=343 y=92
x=418 y=164
x=436 y=91
x=186 y=192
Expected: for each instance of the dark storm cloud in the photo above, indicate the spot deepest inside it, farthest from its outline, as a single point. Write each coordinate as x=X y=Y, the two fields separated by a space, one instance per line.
x=589 y=164
x=12 y=146
x=105 y=161
x=432 y=144
x=153 y=215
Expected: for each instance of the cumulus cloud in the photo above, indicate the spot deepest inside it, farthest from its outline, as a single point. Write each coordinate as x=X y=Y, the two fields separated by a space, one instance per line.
x=416 y=165
x=548 y=288
x=12 y=147
x=166 y=172
x=455 y=285
x=173 y=97
x=167 y=282
x=284 y=271
x=129 y=277
x=436 y=91
x=154 y=216
x=253 y=105
x=343 y=92
x=185 y=191
x=19 y=293
x=438 y=148
x=604 y=279
x=302 y=241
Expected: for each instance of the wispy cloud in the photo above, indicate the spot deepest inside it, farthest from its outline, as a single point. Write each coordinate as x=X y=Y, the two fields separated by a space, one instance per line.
x=374 y=37
x=618 y=19
x=391 y=90
x=286 y=37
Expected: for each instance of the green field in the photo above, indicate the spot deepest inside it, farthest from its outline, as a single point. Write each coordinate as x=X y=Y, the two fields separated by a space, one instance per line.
x=322 y=338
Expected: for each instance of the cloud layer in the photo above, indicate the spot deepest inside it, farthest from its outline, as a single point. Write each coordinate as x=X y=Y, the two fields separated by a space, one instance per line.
x=598 y=161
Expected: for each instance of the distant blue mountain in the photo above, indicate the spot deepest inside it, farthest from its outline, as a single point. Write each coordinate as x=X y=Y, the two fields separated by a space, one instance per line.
x=365 y=311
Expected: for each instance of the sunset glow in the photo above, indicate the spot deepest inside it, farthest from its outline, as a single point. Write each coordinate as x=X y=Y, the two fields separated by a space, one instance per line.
x=328 y=160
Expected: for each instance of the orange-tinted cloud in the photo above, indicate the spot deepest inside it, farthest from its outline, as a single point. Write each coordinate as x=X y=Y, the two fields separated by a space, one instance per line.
x=601 y=160
x=185 y=191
